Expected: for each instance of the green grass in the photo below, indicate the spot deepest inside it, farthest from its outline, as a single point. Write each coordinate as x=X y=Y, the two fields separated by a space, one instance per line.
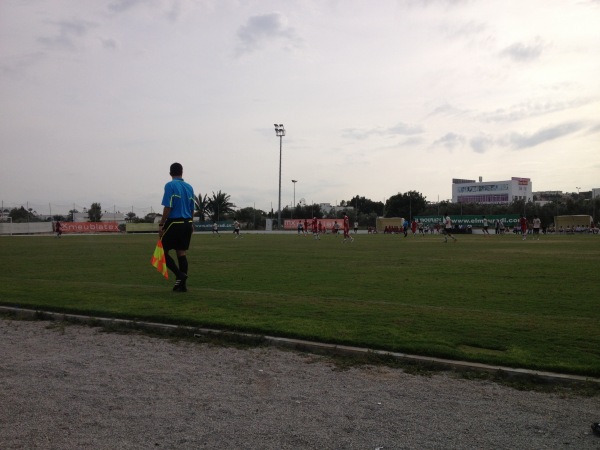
x=498 y=300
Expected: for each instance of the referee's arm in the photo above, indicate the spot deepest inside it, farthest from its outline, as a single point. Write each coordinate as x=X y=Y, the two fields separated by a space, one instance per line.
x=165 y=216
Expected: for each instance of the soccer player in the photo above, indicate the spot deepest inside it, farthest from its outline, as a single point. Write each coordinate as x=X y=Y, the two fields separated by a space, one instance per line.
x=485 y=226
x=448 y=228
x=347 y=229
x=215 y=229
x=58 y=229
x=316 y=229
x=236 y=229
x=523 y=223
x=413 y=227
x=537 y=223
x=176 y=227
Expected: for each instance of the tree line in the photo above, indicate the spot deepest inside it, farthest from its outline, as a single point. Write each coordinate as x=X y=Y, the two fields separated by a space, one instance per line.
x=218 y=207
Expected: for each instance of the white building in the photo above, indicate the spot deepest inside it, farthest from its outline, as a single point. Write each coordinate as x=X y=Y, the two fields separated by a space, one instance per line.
x=491 y=192
x=327 y=208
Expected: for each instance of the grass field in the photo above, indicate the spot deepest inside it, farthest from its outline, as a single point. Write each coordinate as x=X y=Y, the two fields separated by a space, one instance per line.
x=499 y=300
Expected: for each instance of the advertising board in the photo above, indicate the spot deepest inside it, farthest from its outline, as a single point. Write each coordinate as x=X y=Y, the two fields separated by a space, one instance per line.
x=474 y=221
x=89 y=227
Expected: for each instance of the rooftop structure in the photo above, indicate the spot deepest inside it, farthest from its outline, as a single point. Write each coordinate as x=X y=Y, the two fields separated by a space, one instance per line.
x=491 y=192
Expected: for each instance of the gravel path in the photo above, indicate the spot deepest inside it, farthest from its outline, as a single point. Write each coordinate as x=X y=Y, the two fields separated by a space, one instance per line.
x=77 y=387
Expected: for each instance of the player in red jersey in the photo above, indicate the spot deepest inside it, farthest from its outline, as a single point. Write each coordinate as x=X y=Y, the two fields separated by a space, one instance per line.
x=315 y=229
x=347 y=229
x=523 y=223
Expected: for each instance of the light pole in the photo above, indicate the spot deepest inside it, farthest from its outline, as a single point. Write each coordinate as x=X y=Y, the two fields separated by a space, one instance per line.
x=280 y=133
x=578 y=189
x=294 y=181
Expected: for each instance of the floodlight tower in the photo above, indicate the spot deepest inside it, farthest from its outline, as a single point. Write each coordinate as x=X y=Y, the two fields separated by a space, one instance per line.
x=280 y=133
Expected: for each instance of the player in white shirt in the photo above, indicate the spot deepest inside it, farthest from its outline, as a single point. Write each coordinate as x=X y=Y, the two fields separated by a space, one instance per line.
x=537 y=224
x=448 y=228
x=485 y=226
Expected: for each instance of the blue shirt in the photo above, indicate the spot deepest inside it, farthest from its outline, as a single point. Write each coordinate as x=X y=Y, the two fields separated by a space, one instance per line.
x=179 y=196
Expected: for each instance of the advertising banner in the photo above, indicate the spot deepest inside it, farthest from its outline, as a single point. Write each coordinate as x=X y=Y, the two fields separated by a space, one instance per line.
x=327 y=224
x=474 y=221
x=89 y=227
x=224 y=225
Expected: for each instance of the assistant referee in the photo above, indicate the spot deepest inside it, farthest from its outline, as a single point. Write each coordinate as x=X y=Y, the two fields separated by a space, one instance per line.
x=176 y=227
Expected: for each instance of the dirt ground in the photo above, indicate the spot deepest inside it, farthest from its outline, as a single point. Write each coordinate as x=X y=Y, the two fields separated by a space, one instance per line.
x=78 y=387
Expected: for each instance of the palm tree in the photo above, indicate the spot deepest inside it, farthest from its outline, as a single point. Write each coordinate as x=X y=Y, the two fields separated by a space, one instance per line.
x=219 y=206
x=201 y=206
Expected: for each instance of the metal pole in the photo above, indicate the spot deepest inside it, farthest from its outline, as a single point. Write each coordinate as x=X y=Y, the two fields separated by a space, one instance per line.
x=294 y=181
x=279 y=132
x=279 y=207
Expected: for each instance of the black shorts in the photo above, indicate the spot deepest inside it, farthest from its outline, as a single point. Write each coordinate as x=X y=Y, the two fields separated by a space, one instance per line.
x=177 y=234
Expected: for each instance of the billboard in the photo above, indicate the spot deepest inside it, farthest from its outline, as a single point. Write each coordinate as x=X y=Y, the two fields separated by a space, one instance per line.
x=89 y=227
x=328 y=224
x=474 y=221
x=224 y=225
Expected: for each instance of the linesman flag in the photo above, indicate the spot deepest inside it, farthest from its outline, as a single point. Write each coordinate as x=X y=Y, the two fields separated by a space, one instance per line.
x=158 y=260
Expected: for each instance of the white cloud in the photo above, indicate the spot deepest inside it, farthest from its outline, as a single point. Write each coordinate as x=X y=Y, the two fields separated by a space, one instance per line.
x=521 y=141
x=261 y=30
x=450 y=141
x=533 y=108
x=400 y=129
x=481 y=143
x=119 y=6
x=68 y=33
x=521 y=52
x=370 y=94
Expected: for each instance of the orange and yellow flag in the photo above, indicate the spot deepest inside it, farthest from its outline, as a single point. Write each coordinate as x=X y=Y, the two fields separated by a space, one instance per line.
x=158 y=260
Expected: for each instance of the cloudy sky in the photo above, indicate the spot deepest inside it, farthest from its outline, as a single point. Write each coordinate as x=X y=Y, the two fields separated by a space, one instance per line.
x=98 y=98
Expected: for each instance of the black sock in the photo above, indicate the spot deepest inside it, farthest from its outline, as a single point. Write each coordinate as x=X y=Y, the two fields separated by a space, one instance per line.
x=171 y=264
x=183 y=263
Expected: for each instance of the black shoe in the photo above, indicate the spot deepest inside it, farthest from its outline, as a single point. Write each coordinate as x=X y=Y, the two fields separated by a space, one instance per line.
x=596 y=428
x=180 y=285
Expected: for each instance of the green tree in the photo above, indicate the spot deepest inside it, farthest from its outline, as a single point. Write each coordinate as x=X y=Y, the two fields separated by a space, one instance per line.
x=95 y=212
x=150 y=217
x=407 y=205
x=220 y=206
x=366 y=210
x=253 y=218
x=24 y=215
x=19 y=215
x=365 y=206
x=201 y=203
x=71 y=216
